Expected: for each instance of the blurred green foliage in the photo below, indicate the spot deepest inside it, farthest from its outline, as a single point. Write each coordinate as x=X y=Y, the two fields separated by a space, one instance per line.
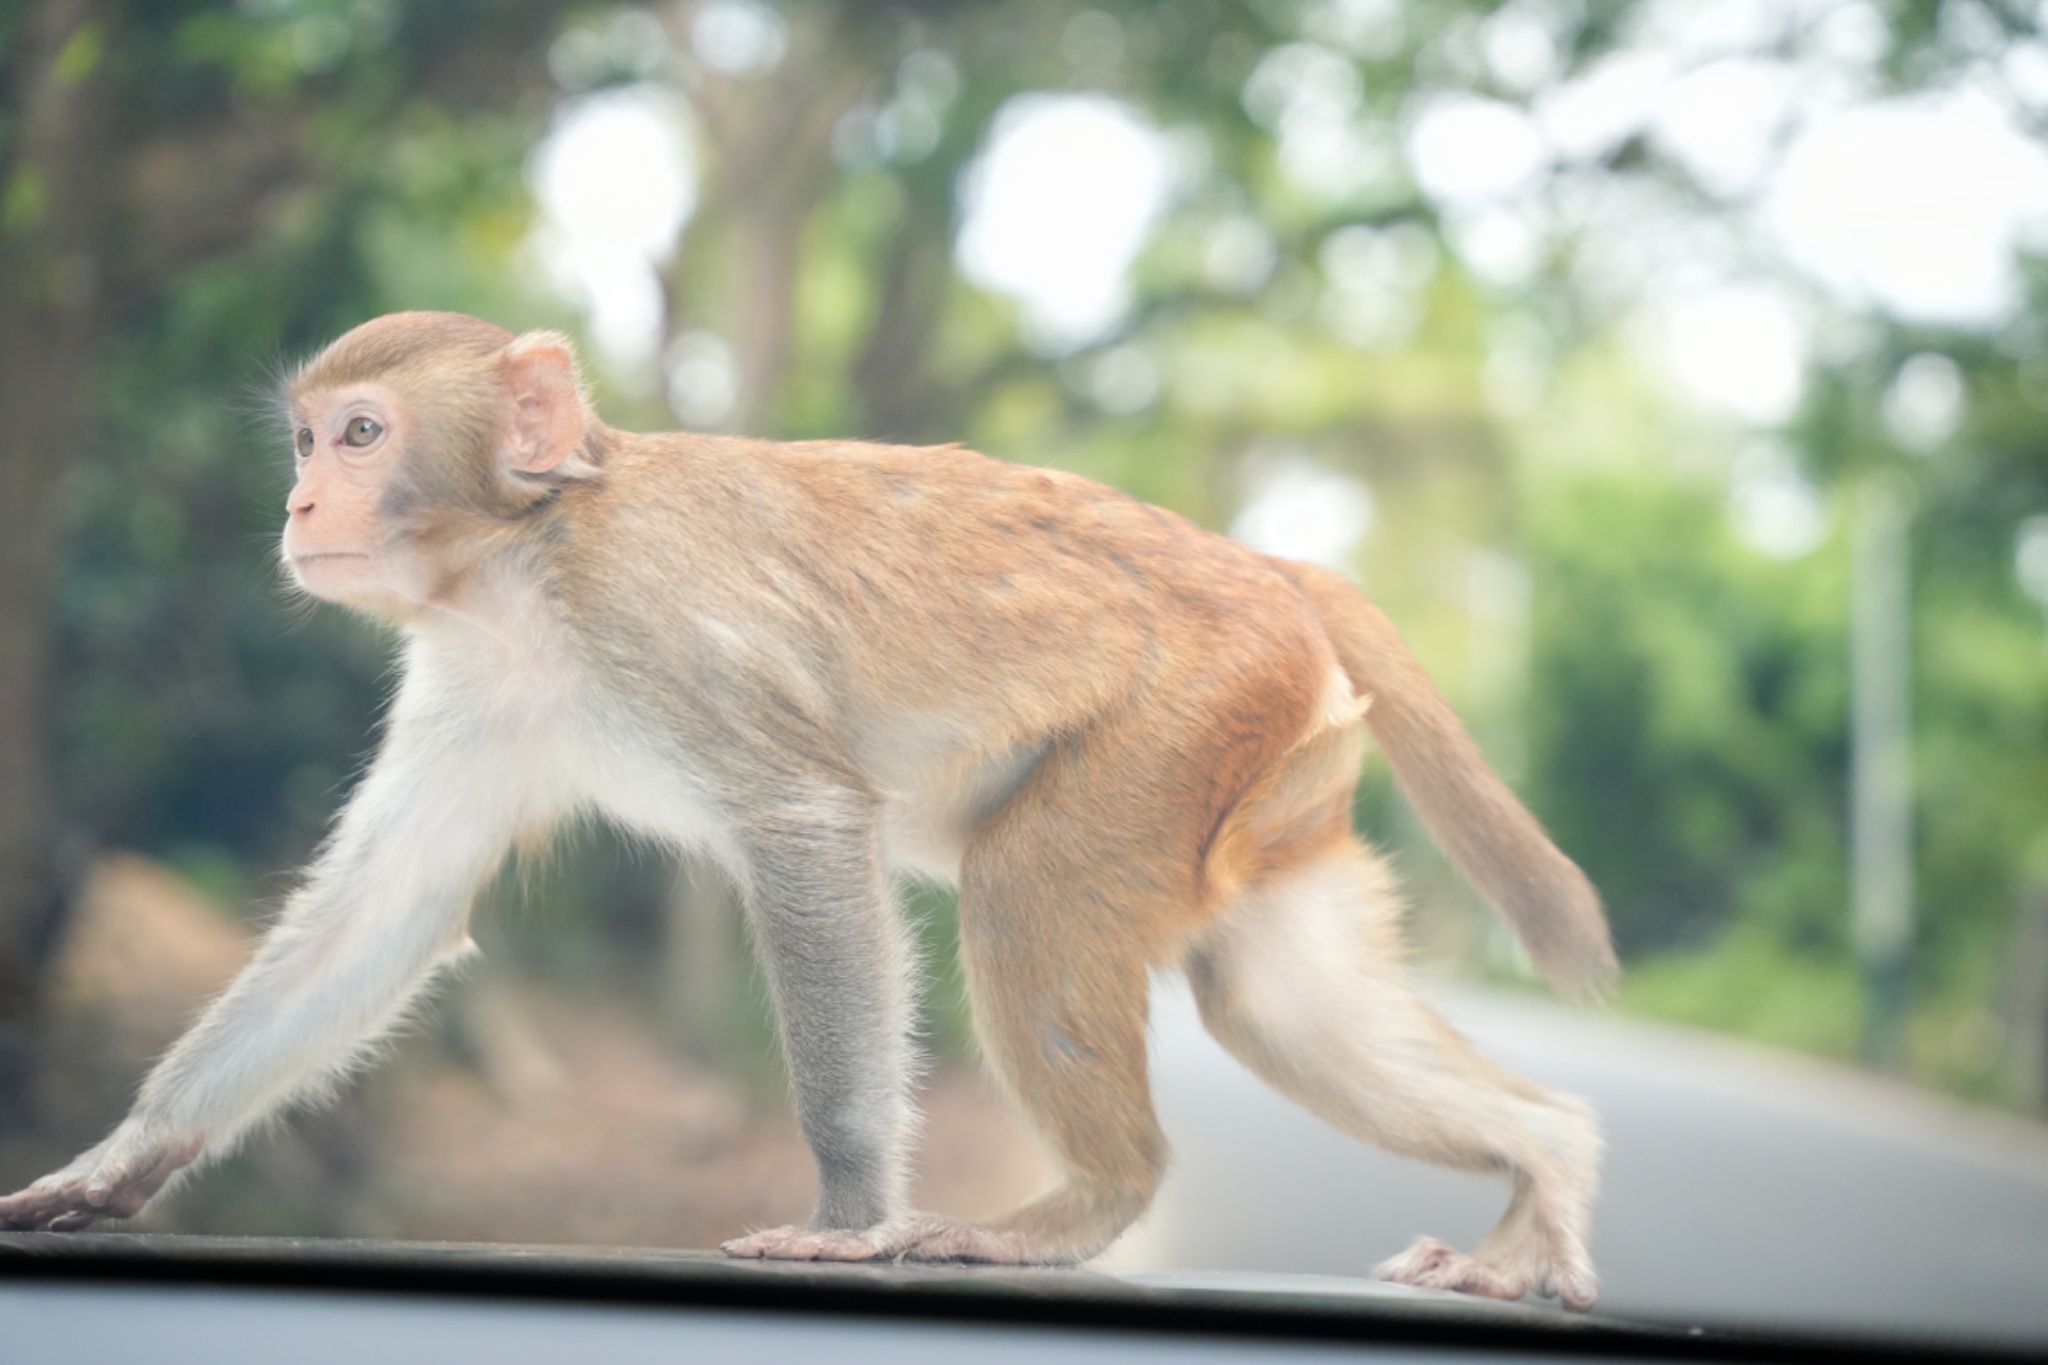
x=1678 y=708
x=1700 y=765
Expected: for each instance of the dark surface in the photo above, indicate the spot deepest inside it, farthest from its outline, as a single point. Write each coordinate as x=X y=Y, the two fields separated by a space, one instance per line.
x=710 y=1278
x=114 y=1297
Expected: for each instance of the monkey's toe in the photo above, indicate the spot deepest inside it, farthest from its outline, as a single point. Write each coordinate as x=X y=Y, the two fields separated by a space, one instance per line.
x=952 y=1241
x=1431 y=1264
x=1575 y=1288
x=759 y=1245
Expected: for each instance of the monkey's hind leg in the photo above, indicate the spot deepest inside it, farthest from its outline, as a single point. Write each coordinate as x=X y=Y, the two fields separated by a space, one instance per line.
x=1051 y=905
x=1302 y=980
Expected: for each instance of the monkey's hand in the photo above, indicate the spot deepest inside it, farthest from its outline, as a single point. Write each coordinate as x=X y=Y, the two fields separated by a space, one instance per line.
x=883 y=1242
x=113 y=1180
x=917 y=1237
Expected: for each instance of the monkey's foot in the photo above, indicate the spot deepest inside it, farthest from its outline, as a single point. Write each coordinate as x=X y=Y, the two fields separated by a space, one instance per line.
x=920 y=1237
x=1431 y=1264
x=951 y=1241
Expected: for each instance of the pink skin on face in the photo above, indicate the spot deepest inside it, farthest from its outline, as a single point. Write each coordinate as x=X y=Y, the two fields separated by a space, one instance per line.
x=344 y=442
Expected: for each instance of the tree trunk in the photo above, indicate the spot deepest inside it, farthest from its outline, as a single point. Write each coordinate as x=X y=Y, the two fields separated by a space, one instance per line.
x=770 y=166
x=52 y=229
x=890 y=372
x=101 y=205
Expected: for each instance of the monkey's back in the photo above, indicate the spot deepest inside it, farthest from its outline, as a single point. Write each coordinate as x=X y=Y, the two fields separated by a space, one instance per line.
x=942 y=576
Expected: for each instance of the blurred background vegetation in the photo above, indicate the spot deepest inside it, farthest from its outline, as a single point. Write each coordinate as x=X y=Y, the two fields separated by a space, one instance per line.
x=1578 y=330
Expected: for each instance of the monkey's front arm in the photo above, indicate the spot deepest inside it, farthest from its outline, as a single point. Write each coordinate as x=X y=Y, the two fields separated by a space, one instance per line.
x=383 y=906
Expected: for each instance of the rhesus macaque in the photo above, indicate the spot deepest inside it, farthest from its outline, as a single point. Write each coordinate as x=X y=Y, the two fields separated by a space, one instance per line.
x=1129 y=742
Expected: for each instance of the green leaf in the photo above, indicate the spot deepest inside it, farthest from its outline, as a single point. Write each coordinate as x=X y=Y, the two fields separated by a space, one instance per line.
x=25 y=202
x=80 y=55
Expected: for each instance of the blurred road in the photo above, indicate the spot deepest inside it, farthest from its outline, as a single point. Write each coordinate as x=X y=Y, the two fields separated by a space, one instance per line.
x=1741 y=1184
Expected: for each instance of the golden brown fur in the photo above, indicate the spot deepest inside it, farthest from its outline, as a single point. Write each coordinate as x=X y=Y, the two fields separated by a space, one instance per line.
x=1128 y=741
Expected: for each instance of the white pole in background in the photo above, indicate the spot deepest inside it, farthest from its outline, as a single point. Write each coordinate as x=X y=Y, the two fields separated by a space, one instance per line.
x=1881 y=772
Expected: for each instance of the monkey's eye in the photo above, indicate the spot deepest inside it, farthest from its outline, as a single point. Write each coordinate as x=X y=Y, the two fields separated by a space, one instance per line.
x=304 y=441
x=361 y=432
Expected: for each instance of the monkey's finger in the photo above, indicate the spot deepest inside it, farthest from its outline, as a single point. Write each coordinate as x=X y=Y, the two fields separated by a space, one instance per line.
x=39 y=1216
x=14 y=1212
x=755 y=1245
x=28 y=1210
x=108 y=1177
x=130 y=1198
x=120 y=1170
x=123 y=1184
x=803 y=1248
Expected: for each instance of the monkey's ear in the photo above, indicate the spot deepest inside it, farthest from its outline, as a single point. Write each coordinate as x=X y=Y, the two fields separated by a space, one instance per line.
x=547 y=403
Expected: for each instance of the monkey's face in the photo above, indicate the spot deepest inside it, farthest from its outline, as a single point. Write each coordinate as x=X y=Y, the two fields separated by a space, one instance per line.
x=347 y=443
x=421 y=442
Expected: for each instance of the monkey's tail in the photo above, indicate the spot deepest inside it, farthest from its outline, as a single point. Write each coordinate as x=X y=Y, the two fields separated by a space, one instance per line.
x=1469 y=810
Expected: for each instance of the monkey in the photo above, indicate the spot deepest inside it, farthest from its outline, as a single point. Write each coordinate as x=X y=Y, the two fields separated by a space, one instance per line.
x=1129 y=742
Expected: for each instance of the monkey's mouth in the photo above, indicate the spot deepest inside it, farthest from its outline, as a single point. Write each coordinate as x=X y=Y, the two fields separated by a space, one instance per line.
x=325 y=572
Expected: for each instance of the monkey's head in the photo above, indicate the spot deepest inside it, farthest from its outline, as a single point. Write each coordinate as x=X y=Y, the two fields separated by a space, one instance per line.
x=420 y=440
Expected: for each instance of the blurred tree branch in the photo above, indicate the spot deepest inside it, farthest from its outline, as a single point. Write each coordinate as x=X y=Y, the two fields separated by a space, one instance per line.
x=136 y=142
x=55 y=230
x=768 y=148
